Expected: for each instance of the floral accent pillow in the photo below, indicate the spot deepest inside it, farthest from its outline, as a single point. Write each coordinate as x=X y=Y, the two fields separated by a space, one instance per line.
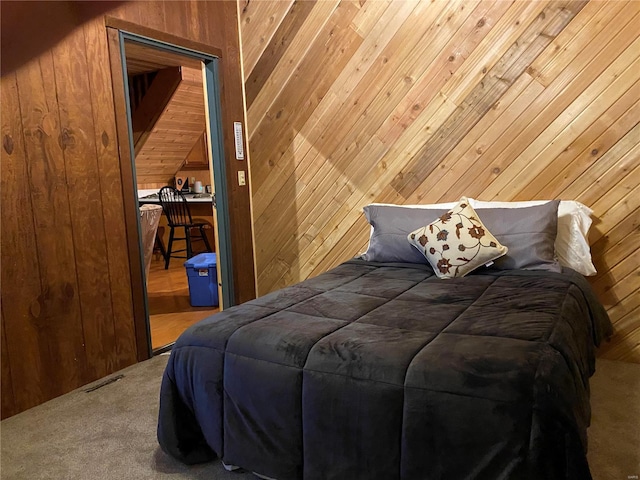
x=457 y=243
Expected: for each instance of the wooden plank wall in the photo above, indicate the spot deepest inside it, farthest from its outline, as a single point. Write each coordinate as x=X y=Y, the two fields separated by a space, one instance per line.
x=178 y=128
x=425 y=101
x=67 y=302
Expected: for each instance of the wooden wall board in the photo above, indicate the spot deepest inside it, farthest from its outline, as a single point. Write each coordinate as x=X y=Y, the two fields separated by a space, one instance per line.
x=142 y=58
x=239 y=201
x=8 y=405
x=20 y=270
x=345 y=144
x=613 y=82
x=335 y=144
x=612 y=272
x=624 y=348
x=152 y=102
x=480 y=99
x=602 y=176
x=376 y=45
x=368 y=17
x=521 y=132
x=563 y=132
x=81 y=172
x=130 y=209
x=276 y=47
x=55 y=312
x=460 y=168
x=607 y=130
x=619 y=245
x=294 y=107
x=264 y=18
x=368 y=189
x=289 y=62
x=573 y=40
x=72 y=283
x=450 y=59
x=505 y=100
x=495 y=45
x=106 y=144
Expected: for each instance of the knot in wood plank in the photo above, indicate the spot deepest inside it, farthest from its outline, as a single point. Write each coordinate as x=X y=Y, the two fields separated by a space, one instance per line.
x=7 y=144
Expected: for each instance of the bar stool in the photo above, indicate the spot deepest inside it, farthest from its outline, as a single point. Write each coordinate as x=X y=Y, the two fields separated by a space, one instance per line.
x=178 y=214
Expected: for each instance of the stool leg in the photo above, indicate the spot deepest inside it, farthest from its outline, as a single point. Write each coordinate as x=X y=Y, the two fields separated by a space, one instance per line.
x=160 y=243
x=187 y=235
x=205 y=239
x=170 y=246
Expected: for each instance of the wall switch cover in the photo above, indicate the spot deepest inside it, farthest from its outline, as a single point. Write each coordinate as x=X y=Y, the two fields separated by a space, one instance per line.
x=241 y=178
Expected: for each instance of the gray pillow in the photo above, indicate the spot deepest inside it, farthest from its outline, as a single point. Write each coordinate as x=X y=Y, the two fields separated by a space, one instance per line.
x=529 y=233
x=391 y=225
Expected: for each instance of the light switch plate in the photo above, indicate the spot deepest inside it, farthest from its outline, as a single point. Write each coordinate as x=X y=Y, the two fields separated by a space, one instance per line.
x=241 y=178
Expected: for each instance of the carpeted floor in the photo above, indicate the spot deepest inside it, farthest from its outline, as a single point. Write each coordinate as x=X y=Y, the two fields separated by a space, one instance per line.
x=110 y=433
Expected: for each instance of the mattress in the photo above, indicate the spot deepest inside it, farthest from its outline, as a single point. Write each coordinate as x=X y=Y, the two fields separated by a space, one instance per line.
x=383 y=371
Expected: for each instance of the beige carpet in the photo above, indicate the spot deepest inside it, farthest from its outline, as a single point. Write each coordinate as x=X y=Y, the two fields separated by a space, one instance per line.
x=614 y=435
x=110 y=433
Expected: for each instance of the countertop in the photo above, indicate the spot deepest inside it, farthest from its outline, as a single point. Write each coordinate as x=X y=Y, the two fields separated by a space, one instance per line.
x=145 y=197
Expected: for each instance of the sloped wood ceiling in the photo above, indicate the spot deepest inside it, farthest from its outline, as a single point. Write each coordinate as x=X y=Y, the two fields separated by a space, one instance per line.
x=425 y=101
x=179 y=126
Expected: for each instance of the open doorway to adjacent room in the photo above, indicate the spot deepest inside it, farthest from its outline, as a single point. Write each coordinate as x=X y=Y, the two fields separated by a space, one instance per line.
x=173 y=115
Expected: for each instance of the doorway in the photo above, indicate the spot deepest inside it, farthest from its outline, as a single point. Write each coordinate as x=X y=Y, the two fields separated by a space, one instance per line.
x=179 y=137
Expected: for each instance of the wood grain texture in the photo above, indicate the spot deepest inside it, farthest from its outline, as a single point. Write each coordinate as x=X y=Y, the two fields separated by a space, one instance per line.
x=88 y=235
x=8 y=405
x=20 y=272
x=150 y=104
x=52 y=327
x=72 y=293
x=130 y=210
x=176 y=128
x=427 y=101
x=111 y=192
x=142 y=59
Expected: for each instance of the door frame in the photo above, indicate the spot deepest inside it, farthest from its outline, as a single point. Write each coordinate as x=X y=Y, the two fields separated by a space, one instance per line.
x=212 y=104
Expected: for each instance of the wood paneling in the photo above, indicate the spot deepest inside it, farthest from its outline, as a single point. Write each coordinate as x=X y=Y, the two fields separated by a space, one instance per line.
x=148 y=102
x=72 y=294
x=416 y=101
x=143 y=59
x=111 y=193
x=179 y=126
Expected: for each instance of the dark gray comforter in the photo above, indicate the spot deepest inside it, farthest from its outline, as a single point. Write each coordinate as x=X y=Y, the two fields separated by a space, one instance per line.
x=379 y=371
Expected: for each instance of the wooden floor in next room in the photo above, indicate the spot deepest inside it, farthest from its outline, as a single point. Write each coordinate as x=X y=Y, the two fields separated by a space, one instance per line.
x=170 y=312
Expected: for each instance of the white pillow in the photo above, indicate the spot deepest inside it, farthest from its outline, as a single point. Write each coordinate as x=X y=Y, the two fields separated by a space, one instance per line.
x=572 y=243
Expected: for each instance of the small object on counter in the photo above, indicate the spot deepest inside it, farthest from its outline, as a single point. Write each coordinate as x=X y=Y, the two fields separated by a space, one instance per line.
x=182 y=184
x=198 y=186
x=208 y=188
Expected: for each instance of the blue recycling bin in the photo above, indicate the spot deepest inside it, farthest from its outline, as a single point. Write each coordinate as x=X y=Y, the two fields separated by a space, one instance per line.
x=202 y=273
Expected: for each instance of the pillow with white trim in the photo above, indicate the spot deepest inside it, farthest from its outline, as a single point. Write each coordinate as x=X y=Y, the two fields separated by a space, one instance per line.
x=457 y=243
x=572 y=239
x=529 y=232
x=390 y=225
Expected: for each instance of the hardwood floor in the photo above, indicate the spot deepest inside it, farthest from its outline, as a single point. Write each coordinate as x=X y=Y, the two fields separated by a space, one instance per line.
x=170 y=312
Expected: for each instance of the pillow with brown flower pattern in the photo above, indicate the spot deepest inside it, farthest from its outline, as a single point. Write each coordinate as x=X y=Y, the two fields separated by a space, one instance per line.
x=457 y=243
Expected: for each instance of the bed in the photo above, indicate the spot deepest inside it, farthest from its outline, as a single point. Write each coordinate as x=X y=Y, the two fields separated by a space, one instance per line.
x=380 y=369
